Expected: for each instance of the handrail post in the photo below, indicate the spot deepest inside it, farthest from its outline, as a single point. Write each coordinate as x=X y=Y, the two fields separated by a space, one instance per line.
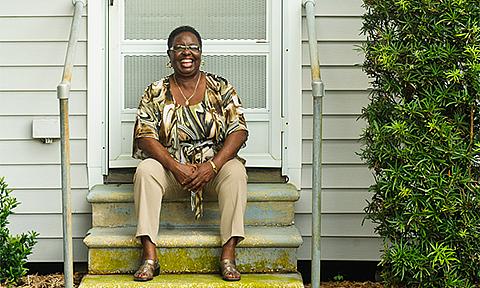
x=63 y=93
x=317 y=94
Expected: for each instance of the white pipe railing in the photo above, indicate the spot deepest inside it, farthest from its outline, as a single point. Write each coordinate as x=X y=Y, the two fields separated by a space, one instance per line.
x=63 y=93
x=317 y=94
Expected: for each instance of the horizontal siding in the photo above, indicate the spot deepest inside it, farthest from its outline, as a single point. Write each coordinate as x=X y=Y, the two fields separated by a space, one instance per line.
x=36 y=152
x=42 y=176
x=335 y=53
x=39 y=28
x=339 y=176
x=337 y=102
x=36 y=8
x=342 y=78
x=39 y=53
x=338 y=8
x=337 y=225
x=20 y=127
x=49 y=225
x=343 y=248
x=51 y=250
x=39 y=78
x=335 y=127
x=333 y=151
x=51 y=201
x=345 y=179
x=40 y=103
x=335 y=28
x=335 y=201
x=33 y=44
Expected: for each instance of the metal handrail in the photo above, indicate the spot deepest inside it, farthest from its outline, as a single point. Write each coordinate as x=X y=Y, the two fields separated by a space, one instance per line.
x=63 y=93
x=317 y=93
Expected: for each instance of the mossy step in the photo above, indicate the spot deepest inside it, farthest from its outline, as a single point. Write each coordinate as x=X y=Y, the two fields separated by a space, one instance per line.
x=268 y=204
x=292 y=280
x=193 y=250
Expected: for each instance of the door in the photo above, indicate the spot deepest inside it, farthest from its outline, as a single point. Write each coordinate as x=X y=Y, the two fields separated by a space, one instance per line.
x=241 y=41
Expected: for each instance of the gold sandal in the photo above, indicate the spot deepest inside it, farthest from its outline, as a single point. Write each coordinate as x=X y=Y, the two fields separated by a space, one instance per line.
x=148 y=270
x=229 y=270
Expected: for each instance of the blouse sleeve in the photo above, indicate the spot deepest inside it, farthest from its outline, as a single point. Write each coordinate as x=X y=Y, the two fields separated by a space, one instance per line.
x=233 y=110
x=147 y=119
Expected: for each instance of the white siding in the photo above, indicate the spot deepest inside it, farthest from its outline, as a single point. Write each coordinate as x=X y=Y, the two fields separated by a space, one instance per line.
x=33 y=42
x=32 y=49
x=345 y=179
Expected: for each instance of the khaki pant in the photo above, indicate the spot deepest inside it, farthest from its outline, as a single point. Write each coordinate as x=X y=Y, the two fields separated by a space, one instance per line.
x=152 y=183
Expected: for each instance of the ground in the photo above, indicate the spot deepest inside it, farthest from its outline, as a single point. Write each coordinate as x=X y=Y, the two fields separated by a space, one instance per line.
x=56 y=281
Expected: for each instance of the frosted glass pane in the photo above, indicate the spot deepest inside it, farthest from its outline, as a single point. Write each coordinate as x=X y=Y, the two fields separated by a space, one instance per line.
x=214 y=19
x=246 y=73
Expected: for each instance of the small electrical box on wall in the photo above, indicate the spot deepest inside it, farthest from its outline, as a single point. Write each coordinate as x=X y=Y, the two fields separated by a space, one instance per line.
x=46 y=130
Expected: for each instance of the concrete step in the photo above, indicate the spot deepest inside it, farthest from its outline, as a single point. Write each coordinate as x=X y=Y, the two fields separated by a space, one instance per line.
x=194 y=250
x=293 y=280
x=268 y=204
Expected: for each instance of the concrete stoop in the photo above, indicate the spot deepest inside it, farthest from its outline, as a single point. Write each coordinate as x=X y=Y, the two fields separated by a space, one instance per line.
x=267 y=204
x=193 y=250
x=187 y=246
x=293 y=280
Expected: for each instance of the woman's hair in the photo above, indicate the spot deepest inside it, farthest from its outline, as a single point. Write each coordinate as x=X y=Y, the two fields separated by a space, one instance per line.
x=182 y=29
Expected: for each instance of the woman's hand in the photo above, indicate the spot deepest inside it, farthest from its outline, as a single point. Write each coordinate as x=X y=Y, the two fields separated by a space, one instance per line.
x=201 y=176
x=184 y=173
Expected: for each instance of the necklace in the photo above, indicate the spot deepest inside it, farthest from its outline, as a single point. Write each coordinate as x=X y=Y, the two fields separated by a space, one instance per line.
x=187 y=99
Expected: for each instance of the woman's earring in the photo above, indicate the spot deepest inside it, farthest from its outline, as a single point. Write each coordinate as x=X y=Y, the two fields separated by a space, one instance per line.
x=202 y=64
x=169 y=64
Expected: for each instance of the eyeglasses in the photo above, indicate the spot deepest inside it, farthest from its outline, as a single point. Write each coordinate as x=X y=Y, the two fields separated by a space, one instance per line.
x=182 y=48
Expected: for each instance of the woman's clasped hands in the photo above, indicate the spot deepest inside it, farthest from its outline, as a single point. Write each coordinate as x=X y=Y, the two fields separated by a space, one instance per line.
x=193 y=177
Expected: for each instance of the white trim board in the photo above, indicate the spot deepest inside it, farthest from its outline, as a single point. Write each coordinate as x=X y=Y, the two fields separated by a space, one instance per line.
x=97 y=90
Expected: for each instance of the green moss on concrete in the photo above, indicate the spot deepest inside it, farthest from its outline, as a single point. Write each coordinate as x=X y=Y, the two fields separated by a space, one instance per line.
x=196 y=260
x=280 y=260
x=200 y=260
x=293 y=280
x=107 y=261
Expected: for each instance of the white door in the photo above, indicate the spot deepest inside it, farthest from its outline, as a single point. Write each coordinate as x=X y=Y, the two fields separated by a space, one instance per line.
x=241 y=41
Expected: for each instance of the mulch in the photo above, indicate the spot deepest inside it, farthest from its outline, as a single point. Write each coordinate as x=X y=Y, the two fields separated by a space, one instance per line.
x=56 y=281
x=47 y=281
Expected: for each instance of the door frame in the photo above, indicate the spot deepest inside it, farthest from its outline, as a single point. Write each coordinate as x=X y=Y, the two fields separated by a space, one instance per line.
x=97 y=93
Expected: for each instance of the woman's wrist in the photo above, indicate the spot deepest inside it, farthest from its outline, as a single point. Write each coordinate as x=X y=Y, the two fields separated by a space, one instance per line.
x=214 y=166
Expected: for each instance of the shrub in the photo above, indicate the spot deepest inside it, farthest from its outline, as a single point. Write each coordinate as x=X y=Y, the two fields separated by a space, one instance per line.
x=422 y=140
x=13 y=249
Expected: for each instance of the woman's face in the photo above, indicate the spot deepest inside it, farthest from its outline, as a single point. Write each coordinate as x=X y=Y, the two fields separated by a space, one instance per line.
x=186 y=55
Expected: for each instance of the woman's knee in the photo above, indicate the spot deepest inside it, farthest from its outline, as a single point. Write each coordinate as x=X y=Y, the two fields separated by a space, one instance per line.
x=148 y=168
x=234 y=169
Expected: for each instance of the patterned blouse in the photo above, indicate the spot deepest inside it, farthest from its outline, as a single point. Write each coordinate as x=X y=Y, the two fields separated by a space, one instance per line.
x=191 y=134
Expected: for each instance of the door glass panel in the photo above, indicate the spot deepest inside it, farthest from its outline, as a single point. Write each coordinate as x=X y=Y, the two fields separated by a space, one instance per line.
x=214 y=19
x=246 y=72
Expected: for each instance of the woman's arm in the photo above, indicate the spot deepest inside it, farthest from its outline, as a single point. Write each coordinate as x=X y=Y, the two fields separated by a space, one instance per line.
x=183 y=173
x=205 y=173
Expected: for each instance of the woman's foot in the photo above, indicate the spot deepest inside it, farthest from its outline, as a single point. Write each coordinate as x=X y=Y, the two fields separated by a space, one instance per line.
x=228 y=266
x=148 y=270
x=150 y=266
x=229 y=270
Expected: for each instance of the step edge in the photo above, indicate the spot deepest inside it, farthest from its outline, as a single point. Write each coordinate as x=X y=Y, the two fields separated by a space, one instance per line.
x=118 y=193
x=295 y=279
x=288 y=238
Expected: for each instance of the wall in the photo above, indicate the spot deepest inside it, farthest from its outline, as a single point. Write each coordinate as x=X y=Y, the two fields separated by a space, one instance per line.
x=33 y=42
x=345 y=179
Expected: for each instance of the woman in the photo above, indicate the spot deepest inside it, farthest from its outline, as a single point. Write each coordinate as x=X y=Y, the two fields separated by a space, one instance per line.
x=189 y=129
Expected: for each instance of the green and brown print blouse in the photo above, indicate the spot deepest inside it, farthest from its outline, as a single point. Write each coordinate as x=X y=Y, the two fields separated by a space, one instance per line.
x=191 y=134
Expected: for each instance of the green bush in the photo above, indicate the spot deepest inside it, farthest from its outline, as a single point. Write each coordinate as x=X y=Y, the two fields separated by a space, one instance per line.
x=422 y=140
x=13 y=249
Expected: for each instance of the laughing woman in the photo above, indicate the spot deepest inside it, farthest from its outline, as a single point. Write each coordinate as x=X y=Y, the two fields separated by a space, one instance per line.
x=188 y=131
